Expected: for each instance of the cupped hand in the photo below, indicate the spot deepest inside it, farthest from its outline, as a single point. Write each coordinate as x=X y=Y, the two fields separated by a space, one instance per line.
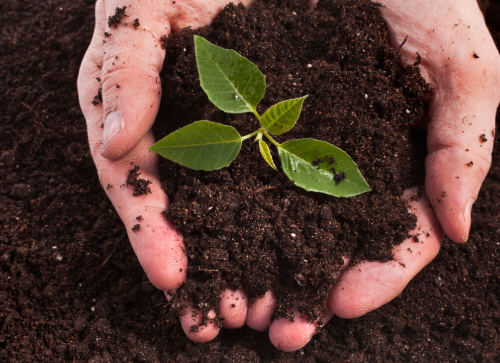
x=119 y=91
x=461 y=62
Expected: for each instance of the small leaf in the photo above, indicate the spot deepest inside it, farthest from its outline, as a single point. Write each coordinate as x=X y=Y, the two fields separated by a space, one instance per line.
x=202 y=145
x=266 y=154
x=231 y=82
x=308 y=163
x=281 y=117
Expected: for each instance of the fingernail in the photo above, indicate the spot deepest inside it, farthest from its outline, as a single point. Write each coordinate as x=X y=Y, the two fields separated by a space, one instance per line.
x=112 y=125
x=468 y=212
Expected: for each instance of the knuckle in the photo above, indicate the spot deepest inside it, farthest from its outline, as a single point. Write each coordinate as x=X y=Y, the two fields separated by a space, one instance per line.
x=483 y=165
x=116 y=72
x=111 y=171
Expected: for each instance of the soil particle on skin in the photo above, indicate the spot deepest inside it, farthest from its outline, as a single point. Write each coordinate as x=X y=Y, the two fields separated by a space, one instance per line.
x=97 y=98
x=141 y=186
x=239 y=220
x=117 y=17
x=136 y=24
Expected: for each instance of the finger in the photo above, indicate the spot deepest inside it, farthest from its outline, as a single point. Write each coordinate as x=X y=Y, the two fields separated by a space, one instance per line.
x=191 y=320
x=285 y=335
x=460 y=143
x=290 y=336
x=260 y=311
x=132 y=59
x=158 y=245
x=369 y=285
x=233 y=308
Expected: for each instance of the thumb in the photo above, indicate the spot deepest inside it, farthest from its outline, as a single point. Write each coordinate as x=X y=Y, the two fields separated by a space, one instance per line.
x=460 y=139
x=131 y=88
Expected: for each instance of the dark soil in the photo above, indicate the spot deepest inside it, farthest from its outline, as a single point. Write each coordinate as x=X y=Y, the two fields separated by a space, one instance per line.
x=247 y=225
x=141 y=186
x=71 y=288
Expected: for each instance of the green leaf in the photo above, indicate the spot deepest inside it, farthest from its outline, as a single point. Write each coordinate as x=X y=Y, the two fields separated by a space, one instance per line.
x=308 y=163
x=203 y=145
x=231 y=82
x=266 y=154
x=281 y=117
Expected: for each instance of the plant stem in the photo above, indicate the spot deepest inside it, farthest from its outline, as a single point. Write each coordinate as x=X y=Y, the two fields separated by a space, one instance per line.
x=243 y=138
x=256 y=114
x=274 y=142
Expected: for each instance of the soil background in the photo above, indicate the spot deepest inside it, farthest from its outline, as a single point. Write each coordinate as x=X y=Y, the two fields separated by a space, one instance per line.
x=71 y=288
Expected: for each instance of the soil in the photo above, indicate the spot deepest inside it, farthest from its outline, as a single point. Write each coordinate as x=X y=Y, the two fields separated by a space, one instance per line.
x=71 y=288
x=249 y=226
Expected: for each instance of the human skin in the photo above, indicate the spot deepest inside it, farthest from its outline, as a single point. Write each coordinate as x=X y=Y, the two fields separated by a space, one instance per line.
x=467 y=93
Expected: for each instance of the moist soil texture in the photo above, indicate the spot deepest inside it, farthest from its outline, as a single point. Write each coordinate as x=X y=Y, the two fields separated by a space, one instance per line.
x=71 y=288
x=248 y=225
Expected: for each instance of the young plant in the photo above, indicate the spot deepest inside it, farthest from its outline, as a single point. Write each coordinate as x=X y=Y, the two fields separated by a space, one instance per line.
x=236 y=85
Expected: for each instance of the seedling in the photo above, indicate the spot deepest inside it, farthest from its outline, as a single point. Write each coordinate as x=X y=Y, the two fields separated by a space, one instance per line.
x=236 y=85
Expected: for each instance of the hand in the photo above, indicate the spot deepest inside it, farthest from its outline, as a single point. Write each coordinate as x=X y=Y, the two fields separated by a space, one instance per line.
x=122 y=64
x=446 y=34
x=462 y=64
